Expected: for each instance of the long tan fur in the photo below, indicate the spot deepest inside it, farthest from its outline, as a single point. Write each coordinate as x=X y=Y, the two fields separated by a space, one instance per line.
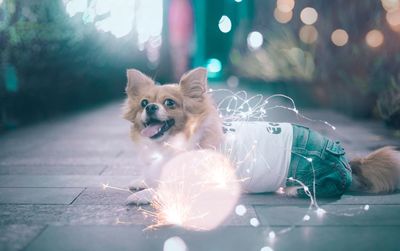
x=378 y=172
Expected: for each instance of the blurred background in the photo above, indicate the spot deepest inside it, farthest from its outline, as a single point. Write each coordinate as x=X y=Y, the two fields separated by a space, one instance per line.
x=59 y=56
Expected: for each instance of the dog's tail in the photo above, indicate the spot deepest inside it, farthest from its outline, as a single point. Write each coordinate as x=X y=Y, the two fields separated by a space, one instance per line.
x=378 y=172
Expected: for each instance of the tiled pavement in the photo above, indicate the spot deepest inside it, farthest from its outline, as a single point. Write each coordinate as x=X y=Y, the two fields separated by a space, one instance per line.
x=51 y=195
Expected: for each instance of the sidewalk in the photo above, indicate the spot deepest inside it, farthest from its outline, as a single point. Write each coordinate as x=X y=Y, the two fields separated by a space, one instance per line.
x=51 y=195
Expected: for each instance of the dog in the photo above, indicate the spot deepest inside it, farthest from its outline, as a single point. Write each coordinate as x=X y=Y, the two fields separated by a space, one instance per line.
x=171 y=118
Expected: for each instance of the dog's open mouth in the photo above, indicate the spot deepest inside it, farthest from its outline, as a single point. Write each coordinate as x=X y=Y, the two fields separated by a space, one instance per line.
x=155 y=128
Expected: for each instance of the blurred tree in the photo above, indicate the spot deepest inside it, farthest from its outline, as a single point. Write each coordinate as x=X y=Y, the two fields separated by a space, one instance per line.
x=58 y=62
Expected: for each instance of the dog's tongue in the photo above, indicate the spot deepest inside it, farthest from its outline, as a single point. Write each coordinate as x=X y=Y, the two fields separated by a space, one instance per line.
x=151 y=130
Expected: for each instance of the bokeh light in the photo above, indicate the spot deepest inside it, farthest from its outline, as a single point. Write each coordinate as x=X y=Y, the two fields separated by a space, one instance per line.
x=232 y=82
x=266 y=248
x=214 y=65
x=74 y=7
x=225 y=24
x=309 y=15
x=393 y=19
x=238 y=1
x=283 y=17
x=175 y=244
x=308 y=34
x=254 y=222
x=285 y=5
x=390 y=5
x=255 y=40
x=374 y=38
x=120 y=17
x=149 y=20
x=240 y=210
x=339 y=37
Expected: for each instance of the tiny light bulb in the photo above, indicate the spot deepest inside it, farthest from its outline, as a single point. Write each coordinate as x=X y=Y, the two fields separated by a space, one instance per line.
x=272 y=235
x=320 y=211
x=306 y=217
x=254 y=222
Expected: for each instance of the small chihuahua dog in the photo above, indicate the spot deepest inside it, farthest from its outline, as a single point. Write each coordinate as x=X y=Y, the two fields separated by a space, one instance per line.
x=167 y=119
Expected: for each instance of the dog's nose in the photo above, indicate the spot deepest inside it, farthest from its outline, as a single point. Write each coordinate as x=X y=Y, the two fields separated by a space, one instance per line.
x=151 y=109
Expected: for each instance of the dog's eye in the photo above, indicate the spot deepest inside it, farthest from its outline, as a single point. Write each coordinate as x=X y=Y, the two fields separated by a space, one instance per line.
x=144 y=103
x=169 y=103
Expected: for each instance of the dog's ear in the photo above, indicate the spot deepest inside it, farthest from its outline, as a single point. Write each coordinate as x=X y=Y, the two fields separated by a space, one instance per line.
x=194 y=83
x=137 y=82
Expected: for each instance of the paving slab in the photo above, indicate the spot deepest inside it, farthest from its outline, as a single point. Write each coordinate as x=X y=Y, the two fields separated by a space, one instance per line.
x=63 y=180
x=99 y=196
x=11 y=214
x=16 y=237
x=38 y=195
x=72 y=215
x=228 y=238
x=336 y=215
x=273 y=199
x=56 y=160
x=57 y=215
x=51 y=169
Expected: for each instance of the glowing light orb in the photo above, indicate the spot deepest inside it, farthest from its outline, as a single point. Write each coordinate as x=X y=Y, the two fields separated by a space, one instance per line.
x=175 y=244
x=225 y=24
x=374 y=38
x=285 y=5
x=366 y=207
x=308 y=34
x=393 y=19
x=283 y=17
x=197 y=190
x=320 y=212
x=73 y=7
x=214 y=66
x=254 y=40
x=272 y=235
x=119 y=17
x=232 y=82
x=266 y=248
x=339 y=37
x=238 y=1
x=390 y=5
x=306 y=217
x=309 y=15
x=240 y=210
x=254 y=222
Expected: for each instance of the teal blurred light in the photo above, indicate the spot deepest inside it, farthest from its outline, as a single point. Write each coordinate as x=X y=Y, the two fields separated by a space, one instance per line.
x=214 y=68
x=11 y=78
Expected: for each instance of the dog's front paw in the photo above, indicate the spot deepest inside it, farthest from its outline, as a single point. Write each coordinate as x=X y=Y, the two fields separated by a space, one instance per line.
x=292 y=191
x=137 y=184
x=143 y=197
